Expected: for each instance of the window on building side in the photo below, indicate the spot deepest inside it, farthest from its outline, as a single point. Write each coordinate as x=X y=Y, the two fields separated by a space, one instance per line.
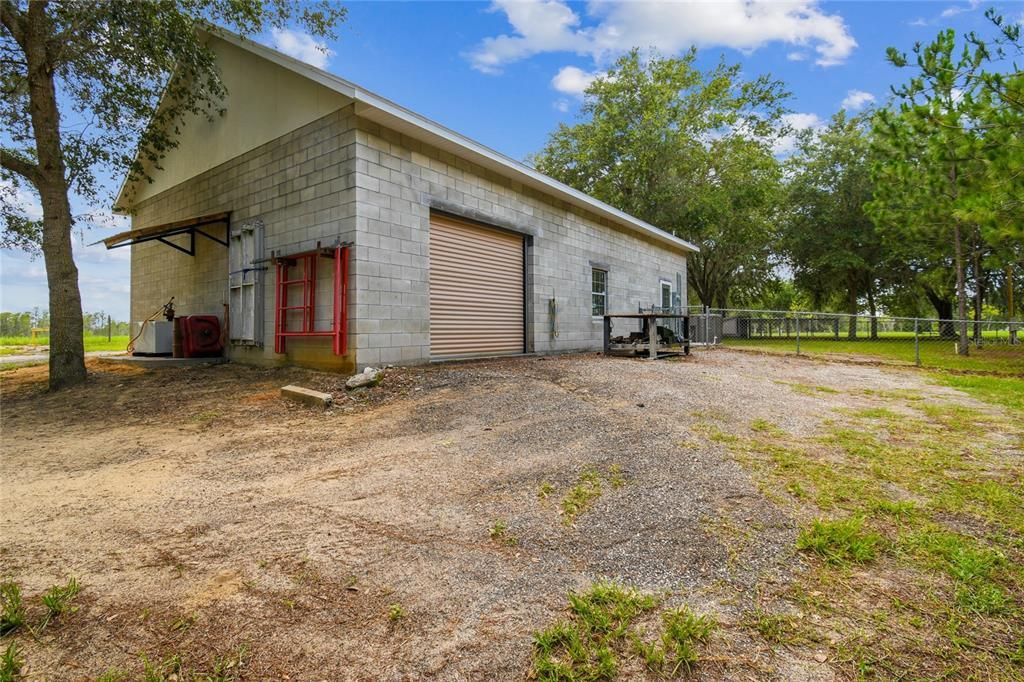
x=666 y=294
x=599 y=292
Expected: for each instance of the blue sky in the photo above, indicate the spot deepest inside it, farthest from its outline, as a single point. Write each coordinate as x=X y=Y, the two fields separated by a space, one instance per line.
x=507 y=73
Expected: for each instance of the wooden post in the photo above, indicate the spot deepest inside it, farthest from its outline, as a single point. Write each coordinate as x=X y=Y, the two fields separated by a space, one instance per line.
x=607 y=333
x=652 y=336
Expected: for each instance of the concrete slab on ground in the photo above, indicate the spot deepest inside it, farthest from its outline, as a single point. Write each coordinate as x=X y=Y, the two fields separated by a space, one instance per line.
x=156 y=362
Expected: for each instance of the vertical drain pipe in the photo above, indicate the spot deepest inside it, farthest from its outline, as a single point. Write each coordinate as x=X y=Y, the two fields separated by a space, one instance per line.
x=553 y=318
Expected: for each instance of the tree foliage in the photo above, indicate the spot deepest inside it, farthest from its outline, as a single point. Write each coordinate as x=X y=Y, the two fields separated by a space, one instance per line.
x=948 y=169
x=687 y=150
x=86 y=85
x=831 y=244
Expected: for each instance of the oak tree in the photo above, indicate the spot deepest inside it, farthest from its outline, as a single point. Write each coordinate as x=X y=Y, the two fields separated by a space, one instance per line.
x=82 y=82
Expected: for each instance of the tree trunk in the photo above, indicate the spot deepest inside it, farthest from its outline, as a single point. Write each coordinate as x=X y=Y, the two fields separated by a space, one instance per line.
x=67 y=349
x=943 y=311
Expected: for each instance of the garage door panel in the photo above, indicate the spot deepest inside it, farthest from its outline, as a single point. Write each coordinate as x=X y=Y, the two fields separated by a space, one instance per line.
x=476 y=290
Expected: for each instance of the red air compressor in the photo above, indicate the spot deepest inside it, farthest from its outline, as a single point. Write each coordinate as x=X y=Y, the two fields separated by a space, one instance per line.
x=200 y=336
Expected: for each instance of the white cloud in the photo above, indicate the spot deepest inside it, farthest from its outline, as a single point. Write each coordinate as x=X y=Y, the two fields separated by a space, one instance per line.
x=798 y=122
x=796 y=56
x=561 y=105
x=960 y=9
x=302 y=46
x=617 y=25
x=856 y=100
x=918 y=22
x=572 y=80
x=22 y=198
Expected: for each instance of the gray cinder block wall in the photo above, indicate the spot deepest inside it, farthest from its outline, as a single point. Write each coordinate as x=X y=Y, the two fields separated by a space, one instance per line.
x=399 y=180
x=348 y=178
x=301 y=186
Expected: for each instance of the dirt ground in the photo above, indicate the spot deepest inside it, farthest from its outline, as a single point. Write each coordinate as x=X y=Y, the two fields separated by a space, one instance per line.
x=202 y=513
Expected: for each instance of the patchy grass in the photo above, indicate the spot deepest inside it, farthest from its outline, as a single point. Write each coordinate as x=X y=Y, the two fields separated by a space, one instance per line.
x=913 y=521
x=396 y=613
x=773 y=628
x=173 y=668
x=840 y=542
x=994 y=358
x=586 y=490
x=808 y=389
x=1006 y=392
x=601 y=630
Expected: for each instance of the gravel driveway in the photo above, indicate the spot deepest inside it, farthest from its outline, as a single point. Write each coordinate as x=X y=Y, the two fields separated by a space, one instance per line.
x=197 y=496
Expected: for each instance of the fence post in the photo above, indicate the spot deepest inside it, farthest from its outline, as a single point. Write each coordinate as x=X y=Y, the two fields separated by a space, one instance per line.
x=917 y=343
x=707 y=326
x=108 y=327
x=796 y=322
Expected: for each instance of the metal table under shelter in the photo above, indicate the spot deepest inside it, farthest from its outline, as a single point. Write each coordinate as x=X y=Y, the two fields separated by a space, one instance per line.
x=648 y=341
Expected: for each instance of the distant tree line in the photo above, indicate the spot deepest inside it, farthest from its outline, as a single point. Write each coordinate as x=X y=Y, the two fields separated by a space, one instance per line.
x=915 y=209
x=22 y=324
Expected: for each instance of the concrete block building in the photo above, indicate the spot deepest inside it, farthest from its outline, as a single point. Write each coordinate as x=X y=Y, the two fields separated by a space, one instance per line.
x=329 y=227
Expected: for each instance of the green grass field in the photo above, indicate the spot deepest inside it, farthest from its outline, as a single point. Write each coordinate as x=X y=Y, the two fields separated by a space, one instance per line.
x=994 y=358
x=1004 y=391
x=11 y=345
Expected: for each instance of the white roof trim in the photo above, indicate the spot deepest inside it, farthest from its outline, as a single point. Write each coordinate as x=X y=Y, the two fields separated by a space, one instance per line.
x=373 y=106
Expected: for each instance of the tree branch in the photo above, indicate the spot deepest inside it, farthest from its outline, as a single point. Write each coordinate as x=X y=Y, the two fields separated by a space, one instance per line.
x=25 y=169
x=13 y=21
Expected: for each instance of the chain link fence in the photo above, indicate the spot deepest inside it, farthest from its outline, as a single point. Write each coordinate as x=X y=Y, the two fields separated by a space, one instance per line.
x=992 y=345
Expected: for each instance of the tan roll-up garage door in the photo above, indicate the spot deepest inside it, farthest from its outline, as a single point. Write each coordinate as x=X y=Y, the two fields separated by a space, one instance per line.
x=476 y=290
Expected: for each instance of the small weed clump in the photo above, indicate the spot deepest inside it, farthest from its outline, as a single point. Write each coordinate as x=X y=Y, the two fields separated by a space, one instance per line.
x=12 y=610
x=184 y=623
x=58 y=599
x=396 y=613
x=587 y=489
x=11 y=663
x=581 y=496
x=545 y=490
x=774 y=628
x=615 y=476
x=499 y=533
x=840 y=542
x=589 y=644
x=224 y=668
x=766 y=427
x=682 y=629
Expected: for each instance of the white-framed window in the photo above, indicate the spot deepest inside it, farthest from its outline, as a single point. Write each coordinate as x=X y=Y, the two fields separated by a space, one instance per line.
x=598 y=292
x=245 y=283
x=666 y=293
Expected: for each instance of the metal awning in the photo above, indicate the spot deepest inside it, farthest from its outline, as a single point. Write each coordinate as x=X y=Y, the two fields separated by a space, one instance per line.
x=160 y=233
